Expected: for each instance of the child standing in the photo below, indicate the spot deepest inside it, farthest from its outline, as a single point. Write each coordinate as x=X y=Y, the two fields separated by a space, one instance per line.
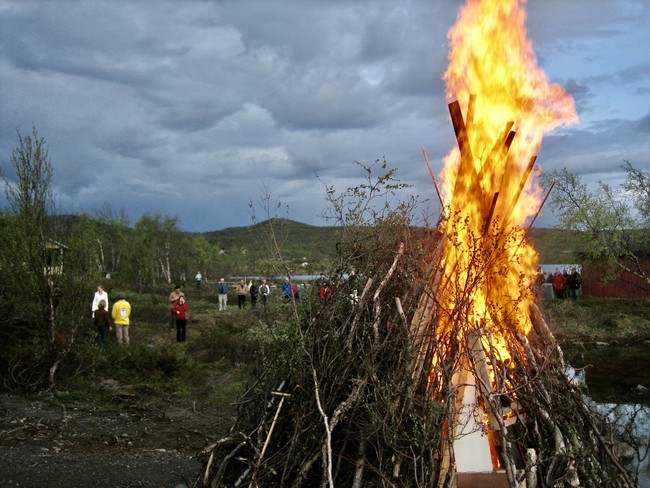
x=102 y=321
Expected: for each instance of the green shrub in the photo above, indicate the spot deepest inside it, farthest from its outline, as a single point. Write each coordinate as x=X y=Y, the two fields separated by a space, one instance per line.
x=144 y=360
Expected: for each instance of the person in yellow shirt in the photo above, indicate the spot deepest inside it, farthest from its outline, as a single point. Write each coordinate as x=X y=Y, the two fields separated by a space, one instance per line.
x=121 y=313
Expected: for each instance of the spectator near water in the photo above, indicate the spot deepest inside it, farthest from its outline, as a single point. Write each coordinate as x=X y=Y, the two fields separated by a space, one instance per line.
x=559 y=285
x=264 y=291
x=254 y=290
x=321 y=280
x=287 y=289
x=241 y=291
x=574 y=281
x=222 y=291
x=325 y=292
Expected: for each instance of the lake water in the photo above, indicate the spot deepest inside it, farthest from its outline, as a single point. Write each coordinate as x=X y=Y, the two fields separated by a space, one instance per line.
x=613 y=374
x=617 y=378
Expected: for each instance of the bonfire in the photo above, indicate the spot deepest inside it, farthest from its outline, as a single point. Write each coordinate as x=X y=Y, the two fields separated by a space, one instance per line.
x=442 y=371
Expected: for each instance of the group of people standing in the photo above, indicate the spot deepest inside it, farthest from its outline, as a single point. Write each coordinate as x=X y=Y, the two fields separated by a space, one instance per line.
x=118 y=318
x=242 y=291
x=289 y=292
x=565 y=284
x=262 y=292
x=119 y=315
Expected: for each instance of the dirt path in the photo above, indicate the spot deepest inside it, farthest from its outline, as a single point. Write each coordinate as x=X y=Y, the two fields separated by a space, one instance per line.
x=49 y=441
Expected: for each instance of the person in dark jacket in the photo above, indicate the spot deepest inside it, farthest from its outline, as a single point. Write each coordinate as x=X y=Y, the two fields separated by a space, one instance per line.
x=254 y=291
x=574 y=280
x=222 y=290
x=102 y=321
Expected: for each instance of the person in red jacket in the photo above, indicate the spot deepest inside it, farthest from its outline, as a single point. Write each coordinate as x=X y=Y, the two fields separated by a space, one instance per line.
x=325 y=292
x=179 y=309
x=559 y=284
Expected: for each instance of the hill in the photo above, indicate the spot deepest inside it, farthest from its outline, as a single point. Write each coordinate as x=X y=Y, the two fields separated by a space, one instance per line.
x=298 y=240
x=303 y=242
x=554 y=246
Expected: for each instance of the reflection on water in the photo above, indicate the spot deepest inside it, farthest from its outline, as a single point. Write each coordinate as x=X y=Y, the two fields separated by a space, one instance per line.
x=635 y=419
x=613 y=373
x=618 y=378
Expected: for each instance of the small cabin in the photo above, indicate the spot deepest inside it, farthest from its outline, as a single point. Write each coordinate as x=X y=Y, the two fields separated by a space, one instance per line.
x=54 y=254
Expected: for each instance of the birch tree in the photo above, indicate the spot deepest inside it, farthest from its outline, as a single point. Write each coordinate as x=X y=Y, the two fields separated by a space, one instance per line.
x=612 y=223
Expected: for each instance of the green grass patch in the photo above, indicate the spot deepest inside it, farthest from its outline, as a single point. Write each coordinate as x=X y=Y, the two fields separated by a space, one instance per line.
x=213 y=365
x=589 y=319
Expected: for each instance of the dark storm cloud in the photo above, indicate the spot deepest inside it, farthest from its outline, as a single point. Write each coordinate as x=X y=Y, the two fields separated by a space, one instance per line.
x=601 y=149
x=195 y=108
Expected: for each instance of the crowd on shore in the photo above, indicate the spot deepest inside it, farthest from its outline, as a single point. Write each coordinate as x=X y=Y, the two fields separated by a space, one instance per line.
x=118 y=319
x=255 y=293
x=564 y=284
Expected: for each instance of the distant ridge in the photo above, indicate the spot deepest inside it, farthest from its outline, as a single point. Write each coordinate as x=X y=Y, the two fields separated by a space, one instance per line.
x=297 y=240
x=314 y=243
x=304 y=240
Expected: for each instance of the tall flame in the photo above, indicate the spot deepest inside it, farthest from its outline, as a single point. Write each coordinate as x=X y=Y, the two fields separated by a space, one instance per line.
x=486 y=185
x=492 y=57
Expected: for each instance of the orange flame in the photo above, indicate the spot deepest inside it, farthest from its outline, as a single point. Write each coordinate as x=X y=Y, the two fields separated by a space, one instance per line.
x=487 y=266
x=492 y=57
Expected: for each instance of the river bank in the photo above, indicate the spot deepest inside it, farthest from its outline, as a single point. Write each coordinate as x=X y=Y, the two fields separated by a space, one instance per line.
x=598 y=321
x=143 y=419
x=608 y=342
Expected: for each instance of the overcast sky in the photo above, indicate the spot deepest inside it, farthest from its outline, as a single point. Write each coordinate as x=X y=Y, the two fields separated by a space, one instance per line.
x=193 y=108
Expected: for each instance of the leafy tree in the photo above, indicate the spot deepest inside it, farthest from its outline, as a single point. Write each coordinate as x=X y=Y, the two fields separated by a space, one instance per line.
x=112 y=238
x=28 y=271
x=612 y=223
x=201 y=253
x=156 y=240
x=365 y=212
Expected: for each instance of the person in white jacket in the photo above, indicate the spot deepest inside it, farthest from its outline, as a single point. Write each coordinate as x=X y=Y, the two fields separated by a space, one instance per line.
x=264 y=291
x=100 y=295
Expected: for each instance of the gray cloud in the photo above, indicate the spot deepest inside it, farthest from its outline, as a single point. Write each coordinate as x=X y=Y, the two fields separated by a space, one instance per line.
x=195 y=108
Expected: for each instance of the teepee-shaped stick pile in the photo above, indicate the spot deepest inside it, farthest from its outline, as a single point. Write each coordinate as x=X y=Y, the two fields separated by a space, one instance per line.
x=431 y=362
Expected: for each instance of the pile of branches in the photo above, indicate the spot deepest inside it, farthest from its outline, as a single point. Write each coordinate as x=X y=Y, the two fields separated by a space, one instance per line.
x=352 y=417
x=557 y=438
x=360 y=391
